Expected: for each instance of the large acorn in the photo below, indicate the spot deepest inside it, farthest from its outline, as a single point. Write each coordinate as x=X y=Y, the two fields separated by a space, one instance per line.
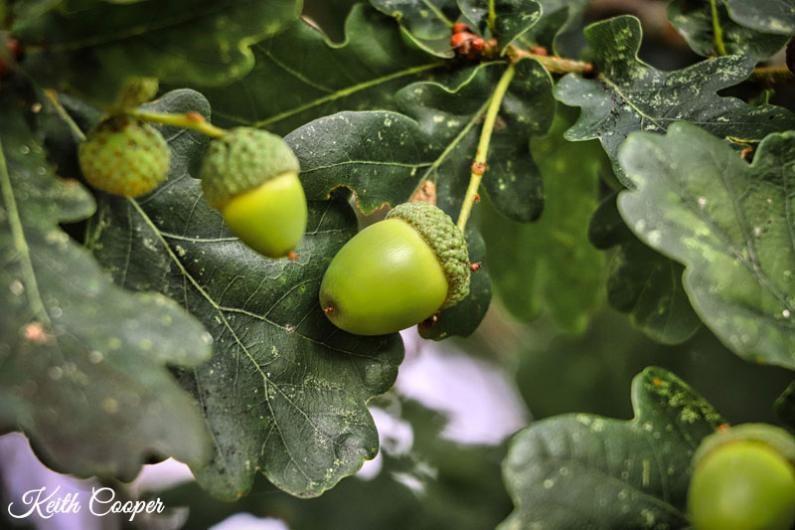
x=397 y=272
x=251 y=176
x=744 y=479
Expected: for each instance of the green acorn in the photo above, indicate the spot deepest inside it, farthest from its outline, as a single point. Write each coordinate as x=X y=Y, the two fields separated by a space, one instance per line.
x=251 y=176
x=744 y=479
x=397 y=272
x=124 y=156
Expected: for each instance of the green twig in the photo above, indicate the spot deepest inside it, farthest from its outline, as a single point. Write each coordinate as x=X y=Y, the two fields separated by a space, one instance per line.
x=190 y=120
x=717 y=30
x=52 y=97
x=481 y=155
x=492 y=18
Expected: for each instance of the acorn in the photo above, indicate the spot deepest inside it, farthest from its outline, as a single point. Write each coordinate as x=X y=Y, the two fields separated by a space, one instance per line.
x=744 y=478
x=397 y=272
x=124 y=156
x=251 y=176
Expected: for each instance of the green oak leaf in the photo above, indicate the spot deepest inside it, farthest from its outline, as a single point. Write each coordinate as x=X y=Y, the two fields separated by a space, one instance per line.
x=693 y=19
x=83 y=362
x=514 y=18
x=578 y=469
x=558 y=27
x=729 y=223
x=285 y=391
x=459 y=488
x=785 y=406
x=94 y=50
x=384 y=156
x=629 y=95
x=550 y=265
x=768 y=16
x=300 y=75
x=642 y=282
x=426 y=24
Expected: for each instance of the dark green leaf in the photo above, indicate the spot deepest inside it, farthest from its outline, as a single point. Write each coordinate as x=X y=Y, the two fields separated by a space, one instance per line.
x=550 y=265
x=285 y=392
x=580 y=470
x=513 y=17
x=95 y=49
x=693 y=19
x=629 y=95
x=424 y=23
x=558 y=28
x=769 y=16
x=438 y=484
x=83 y=362
x=729 y=223
x=641 y=282
x=384 y=156
x=300 y=75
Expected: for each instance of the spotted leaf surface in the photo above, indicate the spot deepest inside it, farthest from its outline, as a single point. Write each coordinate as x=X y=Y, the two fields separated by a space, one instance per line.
x=768 y=16
x=83 y=362
x=575 y=470
x=92 y=48
x=693 y=19
x=300 y=75
x=285 y=391
x=729 y=223
x=629 y=95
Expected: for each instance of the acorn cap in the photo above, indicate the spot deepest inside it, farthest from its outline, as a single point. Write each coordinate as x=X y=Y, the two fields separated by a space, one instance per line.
x=774 y=437
x=446 y=240
x=241 y=160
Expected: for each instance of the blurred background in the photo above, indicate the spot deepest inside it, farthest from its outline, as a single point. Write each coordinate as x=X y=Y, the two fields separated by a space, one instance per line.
x=445 y=425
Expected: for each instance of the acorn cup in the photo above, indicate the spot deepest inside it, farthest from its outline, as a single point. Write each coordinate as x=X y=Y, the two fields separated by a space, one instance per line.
x=124 y=156
x=251 y=176
x=397 y=272
x=744 y=479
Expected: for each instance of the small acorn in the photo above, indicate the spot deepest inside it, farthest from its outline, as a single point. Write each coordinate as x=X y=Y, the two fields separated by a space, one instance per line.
x=124 y=156
x=397 y=272
x=744 y=478
x=251 y=176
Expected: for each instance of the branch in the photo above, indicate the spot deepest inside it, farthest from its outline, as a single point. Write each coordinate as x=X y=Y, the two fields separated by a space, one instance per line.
x=553 y=64
x=189 y=120
x=481 y=155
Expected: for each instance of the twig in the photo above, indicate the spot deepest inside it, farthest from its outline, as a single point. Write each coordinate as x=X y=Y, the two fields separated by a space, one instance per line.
x=190 y=120
x=553 y=64
x=717 y=30
x=481 y=155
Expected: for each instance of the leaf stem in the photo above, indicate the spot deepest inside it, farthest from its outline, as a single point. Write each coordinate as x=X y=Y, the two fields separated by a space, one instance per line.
x=717 y=29
x=52 y=97
x=481 y=155
x=492 y=18
x=772 y=74
x=189 y=120
x=553 y=64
